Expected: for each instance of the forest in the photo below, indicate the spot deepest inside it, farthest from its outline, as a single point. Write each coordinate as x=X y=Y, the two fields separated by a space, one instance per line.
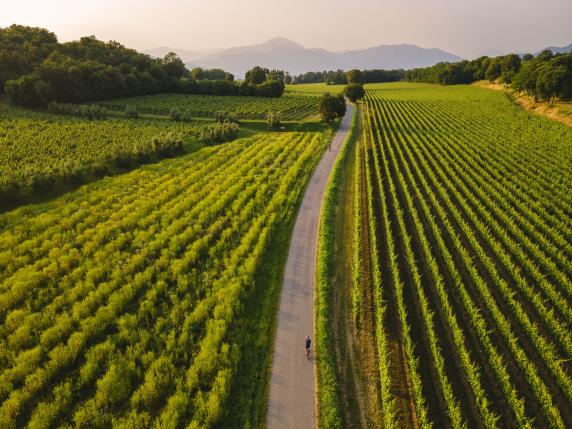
x=35 y=70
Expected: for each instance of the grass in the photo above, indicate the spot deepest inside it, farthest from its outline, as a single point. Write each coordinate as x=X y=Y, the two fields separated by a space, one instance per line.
x=329 y=407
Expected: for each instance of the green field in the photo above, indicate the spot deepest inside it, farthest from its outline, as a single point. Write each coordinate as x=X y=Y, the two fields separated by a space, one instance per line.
x=313 y=89
x=40 y=151
x=463 y=258
x=291 y=108
x=120 y=301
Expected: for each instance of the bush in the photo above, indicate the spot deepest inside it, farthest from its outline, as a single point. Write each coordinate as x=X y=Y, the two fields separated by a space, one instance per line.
x=273 y=119
x=84 y=111
x=220 y=132
x=131 y=112
x=222 y=116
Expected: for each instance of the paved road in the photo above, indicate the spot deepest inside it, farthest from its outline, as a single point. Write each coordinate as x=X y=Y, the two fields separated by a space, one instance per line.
x=292 y=393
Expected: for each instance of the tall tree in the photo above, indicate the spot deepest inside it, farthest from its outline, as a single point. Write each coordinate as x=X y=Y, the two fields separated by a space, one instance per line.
x=354 y=76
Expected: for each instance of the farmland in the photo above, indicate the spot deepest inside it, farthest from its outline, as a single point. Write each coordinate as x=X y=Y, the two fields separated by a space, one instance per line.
x=119 y=301
x=290 y=107
x=40 y=151
x=310 y=89
x=462 y=253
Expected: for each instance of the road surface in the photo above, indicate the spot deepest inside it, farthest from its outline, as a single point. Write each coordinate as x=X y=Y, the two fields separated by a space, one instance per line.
x=292 y=388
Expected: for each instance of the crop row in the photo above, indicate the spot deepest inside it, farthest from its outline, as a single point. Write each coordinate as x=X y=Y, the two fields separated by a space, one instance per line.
x=289 y=107
x=117 y=300
x=480 y=270
x=40 y=151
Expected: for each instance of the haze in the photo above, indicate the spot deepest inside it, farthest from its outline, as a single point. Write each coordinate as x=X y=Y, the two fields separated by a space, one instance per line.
x=462 y=27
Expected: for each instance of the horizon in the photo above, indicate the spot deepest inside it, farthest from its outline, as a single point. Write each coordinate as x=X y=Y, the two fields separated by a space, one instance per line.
x=444 y=24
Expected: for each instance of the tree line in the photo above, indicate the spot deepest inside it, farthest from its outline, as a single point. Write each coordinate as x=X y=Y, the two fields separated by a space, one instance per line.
x=544 y=76
x=340 y=77
x=35 y=69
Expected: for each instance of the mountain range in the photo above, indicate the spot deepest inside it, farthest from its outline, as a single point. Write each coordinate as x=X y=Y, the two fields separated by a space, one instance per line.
x=284 y=54
x=558 y=49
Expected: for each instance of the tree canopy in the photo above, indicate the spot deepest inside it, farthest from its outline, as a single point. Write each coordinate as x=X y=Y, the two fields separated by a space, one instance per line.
x=544 y=77
x=354 y=92
x=35 y=70
x=331 y=106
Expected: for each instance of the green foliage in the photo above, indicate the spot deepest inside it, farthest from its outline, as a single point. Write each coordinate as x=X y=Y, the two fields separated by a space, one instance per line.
x=22 y=49
x=273 y=120
x=331 y=106
x=224 y=116
x=355 y=76
x=354 y=92
x=256 y=75
x=83 y=111
x=329 y=407
x=543 y=77
x=220 y=132
x=146 y=276
x=290 y=107
x=453 y=212
x=35 y=70
x=40 y=152
x=131 y=112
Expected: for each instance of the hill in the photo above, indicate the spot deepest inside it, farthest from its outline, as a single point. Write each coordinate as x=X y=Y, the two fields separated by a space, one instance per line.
x=558 y=49
x=287 y=55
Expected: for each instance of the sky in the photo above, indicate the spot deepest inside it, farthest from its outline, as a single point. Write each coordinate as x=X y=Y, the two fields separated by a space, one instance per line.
x=467 y=28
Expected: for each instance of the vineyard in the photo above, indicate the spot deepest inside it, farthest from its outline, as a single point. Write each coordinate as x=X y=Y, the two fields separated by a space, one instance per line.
x=315 y=89
x=37 y=151
x=466 y=221
x=290 y=107
x=118 y=301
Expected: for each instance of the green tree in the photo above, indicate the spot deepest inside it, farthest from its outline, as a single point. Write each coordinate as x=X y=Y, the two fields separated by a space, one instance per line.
x=331 y=106
x=494 y=70
x=198 y=73
x=273 y=119
x=22 y=49
x=354 y=76
x=278 y=75
x=550 y=82
x=255 y=76
x=216 y=74
x=354 y=92
x=173 y=65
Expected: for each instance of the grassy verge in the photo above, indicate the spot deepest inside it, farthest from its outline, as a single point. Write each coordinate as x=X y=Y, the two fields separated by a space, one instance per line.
x=329 y=407
x=560 y=111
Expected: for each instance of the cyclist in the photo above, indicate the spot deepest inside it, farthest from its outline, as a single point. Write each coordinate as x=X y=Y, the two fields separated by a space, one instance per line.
x=308 y=343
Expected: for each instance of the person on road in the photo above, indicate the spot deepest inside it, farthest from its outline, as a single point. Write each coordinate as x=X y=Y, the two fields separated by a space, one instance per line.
x=308 y=343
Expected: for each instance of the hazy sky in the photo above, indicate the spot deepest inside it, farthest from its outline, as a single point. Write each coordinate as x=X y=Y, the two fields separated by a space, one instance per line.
x=462 y=27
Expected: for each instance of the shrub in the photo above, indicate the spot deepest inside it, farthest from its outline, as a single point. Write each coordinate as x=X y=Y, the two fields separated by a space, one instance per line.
x=89 y=112
x=273 y=119
x=220 y=132
x=224 y=116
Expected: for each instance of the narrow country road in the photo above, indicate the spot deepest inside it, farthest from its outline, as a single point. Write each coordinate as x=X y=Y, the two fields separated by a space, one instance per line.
x=292 y=386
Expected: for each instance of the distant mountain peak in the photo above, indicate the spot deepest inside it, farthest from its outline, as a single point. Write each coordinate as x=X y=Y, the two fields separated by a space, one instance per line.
x=284 y=54
x=282 y=42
